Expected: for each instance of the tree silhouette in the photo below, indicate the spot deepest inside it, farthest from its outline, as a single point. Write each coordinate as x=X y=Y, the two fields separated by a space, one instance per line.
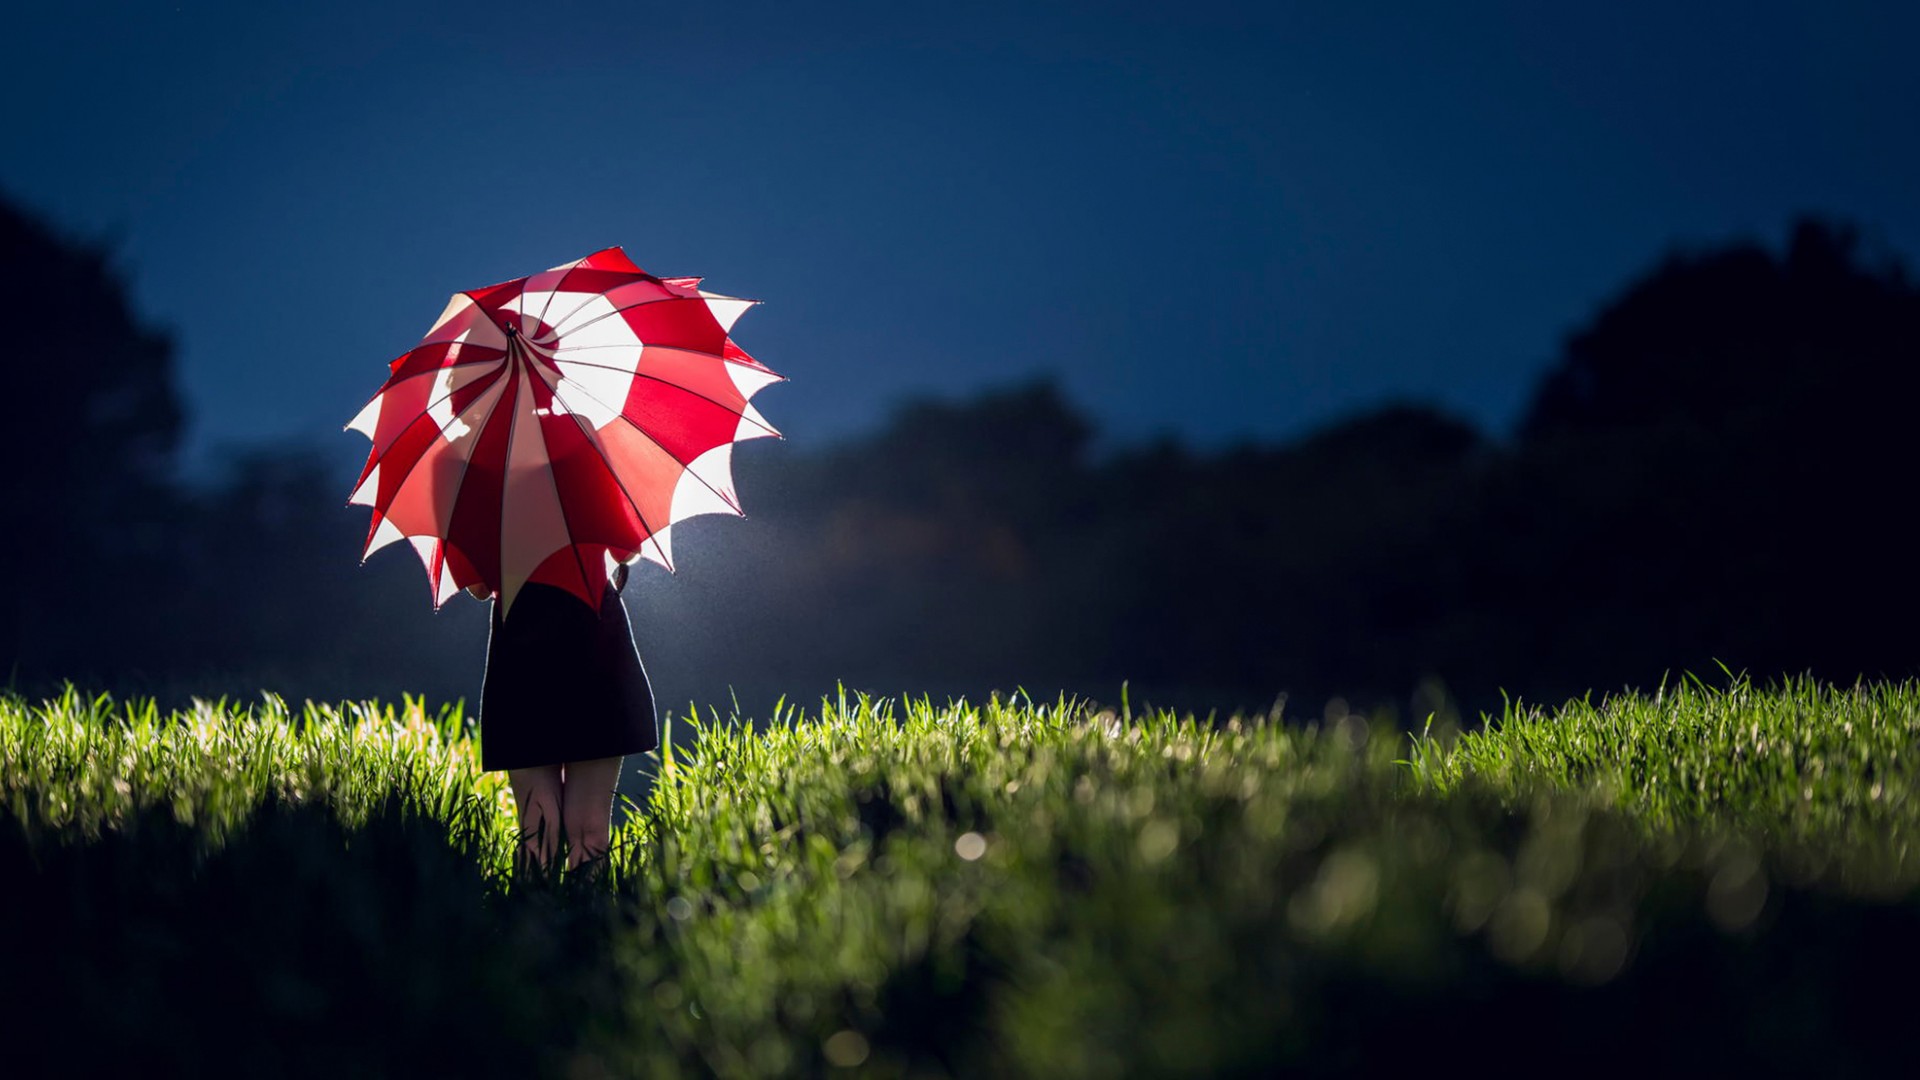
x=1707 y=474
x=89 y=442
x=1739 y=338
x=276 y=598
x=1713 y=469
x=124 y=578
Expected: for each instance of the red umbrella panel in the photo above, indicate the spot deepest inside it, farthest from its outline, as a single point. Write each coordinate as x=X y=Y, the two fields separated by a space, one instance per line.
x=550 y=428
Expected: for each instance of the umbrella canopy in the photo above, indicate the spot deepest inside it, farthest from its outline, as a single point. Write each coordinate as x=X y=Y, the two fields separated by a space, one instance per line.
x=550 y=428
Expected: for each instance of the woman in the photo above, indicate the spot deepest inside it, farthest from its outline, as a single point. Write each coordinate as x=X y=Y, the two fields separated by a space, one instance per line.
x=564 y=700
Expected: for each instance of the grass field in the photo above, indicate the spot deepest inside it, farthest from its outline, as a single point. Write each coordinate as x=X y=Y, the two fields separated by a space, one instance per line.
x=1695 y=880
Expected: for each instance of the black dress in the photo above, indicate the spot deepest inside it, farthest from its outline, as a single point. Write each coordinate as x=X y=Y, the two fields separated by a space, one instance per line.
x=563 y=683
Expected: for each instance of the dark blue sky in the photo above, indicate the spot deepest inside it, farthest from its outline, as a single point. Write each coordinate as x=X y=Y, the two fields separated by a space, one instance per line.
x=1219 y=220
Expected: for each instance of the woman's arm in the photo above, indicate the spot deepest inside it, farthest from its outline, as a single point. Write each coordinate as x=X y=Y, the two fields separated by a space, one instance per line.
x=480 y=592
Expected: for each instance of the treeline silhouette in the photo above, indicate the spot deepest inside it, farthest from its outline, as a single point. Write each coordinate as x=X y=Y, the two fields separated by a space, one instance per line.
x=125 y=578
x=1714 y=471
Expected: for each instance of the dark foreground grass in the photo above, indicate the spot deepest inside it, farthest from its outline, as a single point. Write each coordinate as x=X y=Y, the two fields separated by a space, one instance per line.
x=1699 y=881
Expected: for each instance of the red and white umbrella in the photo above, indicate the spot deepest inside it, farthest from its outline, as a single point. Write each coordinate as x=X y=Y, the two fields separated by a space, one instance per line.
x=552 y=427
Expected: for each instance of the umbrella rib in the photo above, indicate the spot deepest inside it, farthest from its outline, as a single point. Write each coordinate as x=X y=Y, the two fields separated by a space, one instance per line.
x=663 y=448
x=506 y=470
x=378 y=455
x=642 y=303
x=425 y=409
x=461 y=363
x=554 y=353
x=555 y=291
x=694 y=393
x=466 y=463
x=553 y=477
x=390 y=383
x=466 y=467
x=485 y=320
x=586 y=431
x=586 y=298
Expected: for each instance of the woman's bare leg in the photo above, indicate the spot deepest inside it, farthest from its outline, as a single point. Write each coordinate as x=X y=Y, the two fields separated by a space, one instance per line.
x=537 y=795
x=587 y=807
